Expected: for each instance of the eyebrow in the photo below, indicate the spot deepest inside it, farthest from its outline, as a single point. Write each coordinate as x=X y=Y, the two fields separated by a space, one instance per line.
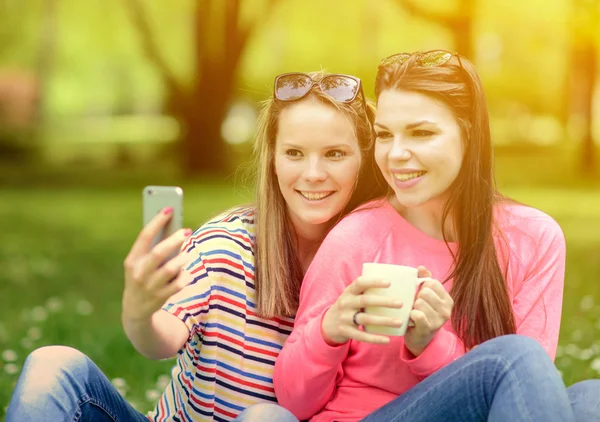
x=336 y=146
x=409 y=126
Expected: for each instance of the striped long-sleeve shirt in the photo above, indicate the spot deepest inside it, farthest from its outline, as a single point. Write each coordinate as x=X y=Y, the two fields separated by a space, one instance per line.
x=227 y=363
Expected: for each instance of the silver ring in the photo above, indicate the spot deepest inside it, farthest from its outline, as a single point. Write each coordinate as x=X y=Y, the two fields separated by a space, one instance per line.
x=354 y=318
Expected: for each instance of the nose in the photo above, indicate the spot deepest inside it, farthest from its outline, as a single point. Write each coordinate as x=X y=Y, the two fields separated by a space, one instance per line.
x=316 y=170
x=399 y=150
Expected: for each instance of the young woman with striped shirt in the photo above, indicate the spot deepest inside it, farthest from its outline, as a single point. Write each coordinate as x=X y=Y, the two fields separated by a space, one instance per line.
x=225 y=305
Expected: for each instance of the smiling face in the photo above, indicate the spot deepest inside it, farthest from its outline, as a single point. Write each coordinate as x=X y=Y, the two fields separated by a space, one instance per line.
x=419 y=147
x=317 y=161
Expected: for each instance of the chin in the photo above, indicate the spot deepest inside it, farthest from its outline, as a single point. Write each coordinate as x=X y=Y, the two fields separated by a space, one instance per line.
x=410 y=201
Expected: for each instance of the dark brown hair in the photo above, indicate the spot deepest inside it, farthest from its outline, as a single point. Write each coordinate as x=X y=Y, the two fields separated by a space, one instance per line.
x=479 y=289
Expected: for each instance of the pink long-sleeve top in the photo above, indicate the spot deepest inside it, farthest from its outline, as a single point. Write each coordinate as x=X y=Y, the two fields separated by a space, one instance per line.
x=320 y=382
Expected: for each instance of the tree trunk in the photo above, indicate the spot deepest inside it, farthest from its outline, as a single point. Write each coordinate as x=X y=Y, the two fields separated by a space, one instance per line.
x=585 y=60
x=203 y=149
x=462 y=31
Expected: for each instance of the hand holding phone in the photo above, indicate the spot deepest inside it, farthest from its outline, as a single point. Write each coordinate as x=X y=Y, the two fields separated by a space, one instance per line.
x=153 y=265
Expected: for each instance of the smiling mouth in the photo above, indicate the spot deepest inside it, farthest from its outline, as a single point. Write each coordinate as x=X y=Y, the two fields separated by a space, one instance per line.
x=403 y=177
x=315 y=196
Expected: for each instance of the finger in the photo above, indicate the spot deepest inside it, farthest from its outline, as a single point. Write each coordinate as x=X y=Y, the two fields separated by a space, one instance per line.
x=149 y=232
x=148 y=264
x=162 y=251
x=352 y=332
x=438 y=288
x=431 y=297
x=364 y=283
x=180 y=283
x=420 y=320
x=363 y=318
x=430 y=313
x=168 y=272
x=423 y=272
x=369 y=300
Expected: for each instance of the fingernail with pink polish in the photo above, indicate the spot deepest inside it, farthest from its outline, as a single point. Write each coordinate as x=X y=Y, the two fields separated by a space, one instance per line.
x=187 y=232
x=168 y=210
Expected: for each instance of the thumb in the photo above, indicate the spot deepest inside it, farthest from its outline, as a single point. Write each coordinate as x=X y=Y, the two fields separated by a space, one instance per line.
x=423 y=272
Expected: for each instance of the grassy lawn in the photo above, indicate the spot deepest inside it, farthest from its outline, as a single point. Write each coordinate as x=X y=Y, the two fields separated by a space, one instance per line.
x=61 y=258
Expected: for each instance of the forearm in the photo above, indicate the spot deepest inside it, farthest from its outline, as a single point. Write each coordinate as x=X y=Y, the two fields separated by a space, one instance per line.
x=159 y=337
x=443 y=349
x=306 y=371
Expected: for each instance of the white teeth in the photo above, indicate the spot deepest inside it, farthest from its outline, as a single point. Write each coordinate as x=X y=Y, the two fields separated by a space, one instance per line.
x=315 y=196
x=403 y=177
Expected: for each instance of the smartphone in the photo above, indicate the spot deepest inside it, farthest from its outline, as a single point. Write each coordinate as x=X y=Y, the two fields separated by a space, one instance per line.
x=155 y=199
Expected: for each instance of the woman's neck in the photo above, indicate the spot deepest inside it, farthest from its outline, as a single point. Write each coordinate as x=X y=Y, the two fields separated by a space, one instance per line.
x=428 y=218
x=308 y=239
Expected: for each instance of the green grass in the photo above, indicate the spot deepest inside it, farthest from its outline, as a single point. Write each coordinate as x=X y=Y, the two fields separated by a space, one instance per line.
x=61 y=276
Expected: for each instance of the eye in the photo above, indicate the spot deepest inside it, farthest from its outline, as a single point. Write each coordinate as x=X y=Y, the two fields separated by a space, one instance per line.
x=383 y=135
x=336 y=154
x=293 y=153
x=422 y=133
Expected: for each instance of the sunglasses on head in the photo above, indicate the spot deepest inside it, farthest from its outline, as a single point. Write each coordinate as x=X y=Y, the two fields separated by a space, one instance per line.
x=294 y=86
x=431 y=58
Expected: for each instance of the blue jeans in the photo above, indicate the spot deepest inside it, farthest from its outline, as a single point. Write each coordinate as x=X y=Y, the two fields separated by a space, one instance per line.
x=59 y=384
x=509 y=378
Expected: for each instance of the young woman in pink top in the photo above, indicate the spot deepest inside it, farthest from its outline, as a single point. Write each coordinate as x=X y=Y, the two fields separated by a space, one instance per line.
x=486 y=322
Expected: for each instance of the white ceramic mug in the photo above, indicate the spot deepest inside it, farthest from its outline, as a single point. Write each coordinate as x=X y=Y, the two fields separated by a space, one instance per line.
x=404 y=282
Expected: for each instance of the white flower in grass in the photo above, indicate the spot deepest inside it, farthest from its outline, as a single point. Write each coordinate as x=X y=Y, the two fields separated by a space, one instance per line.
x=119 y=383
x=577 y=336
x=84 y=307
x=26 y=343
x=587 y=303
x=9 y=355
x=566 y=361
x=163 y=382
x=586 y=354
x=39 y=314
x=54 y=304
x=34 y=333
x=572 y=350
x=152 y=395
x=11 y=368
x=595 y=365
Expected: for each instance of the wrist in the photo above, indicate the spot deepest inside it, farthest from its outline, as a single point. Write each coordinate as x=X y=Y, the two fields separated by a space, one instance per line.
x=418 y=347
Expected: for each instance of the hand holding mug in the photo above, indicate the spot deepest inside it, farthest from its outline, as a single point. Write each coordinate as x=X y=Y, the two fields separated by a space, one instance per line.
x=431 y=310
x=342 y=320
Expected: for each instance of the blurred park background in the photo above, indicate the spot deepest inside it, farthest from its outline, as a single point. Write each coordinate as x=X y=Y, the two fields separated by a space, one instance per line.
x=100 y=98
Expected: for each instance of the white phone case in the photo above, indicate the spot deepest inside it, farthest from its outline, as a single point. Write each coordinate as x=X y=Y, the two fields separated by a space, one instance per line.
x=155 y=199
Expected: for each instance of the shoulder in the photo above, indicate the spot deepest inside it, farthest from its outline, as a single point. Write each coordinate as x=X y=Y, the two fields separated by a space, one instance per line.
x=224 y=246
x=527 y=223
x=233 y=228
x=531 y=235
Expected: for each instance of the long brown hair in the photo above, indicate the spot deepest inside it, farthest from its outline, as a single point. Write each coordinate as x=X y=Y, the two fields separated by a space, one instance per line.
x=278 y=273
x=482 y=307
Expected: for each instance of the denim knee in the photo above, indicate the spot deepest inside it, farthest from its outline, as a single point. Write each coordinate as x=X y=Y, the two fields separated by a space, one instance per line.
x=45 y=367
x=266 y=412
x=516 y=349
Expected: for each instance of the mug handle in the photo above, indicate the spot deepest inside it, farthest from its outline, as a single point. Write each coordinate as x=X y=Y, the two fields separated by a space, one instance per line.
x=420 y=281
